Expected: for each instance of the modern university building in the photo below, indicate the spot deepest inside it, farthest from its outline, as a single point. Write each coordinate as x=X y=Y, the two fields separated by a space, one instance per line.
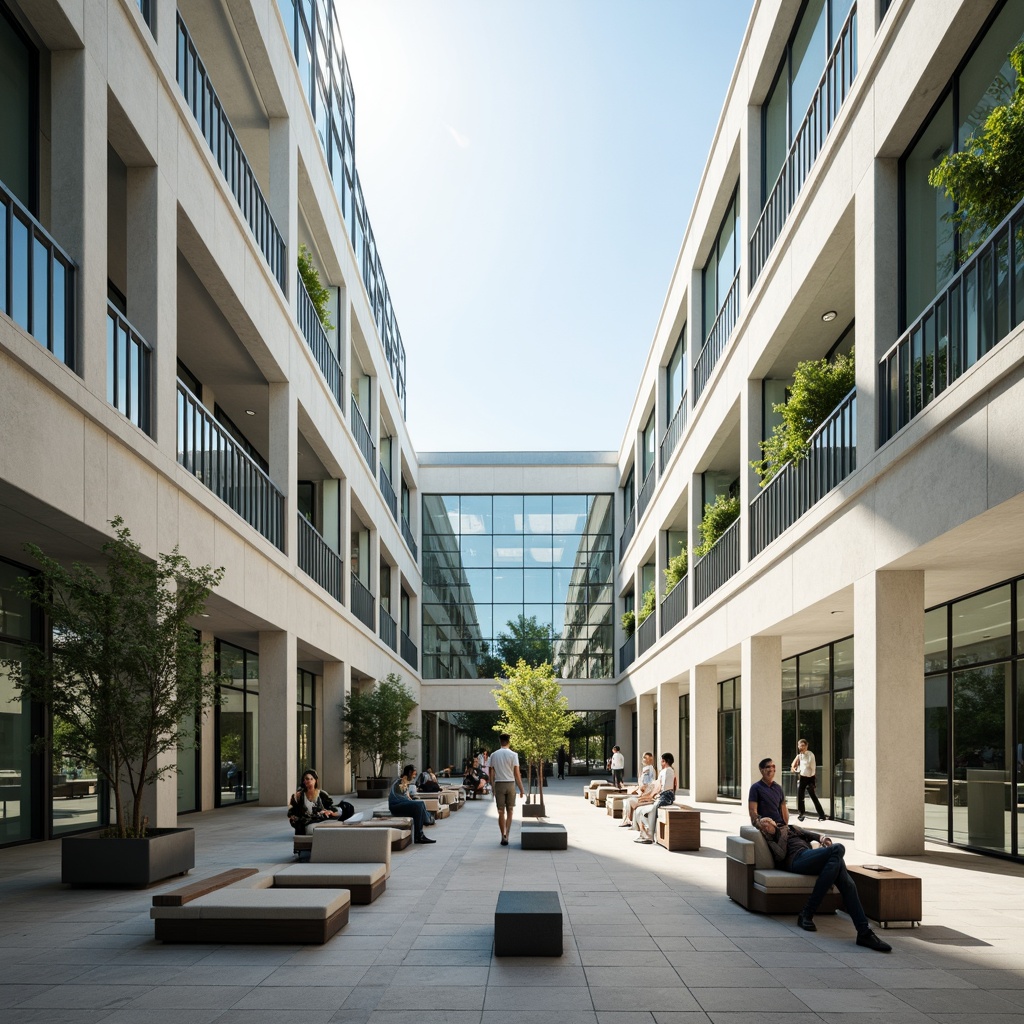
x=160 y=359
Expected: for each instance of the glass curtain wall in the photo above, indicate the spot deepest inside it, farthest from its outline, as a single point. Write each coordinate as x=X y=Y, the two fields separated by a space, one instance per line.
x=974 y=731
x=517 y=575
x=675 y=378
x=237 y=724
x=930 y=253
x=723 y=264
x=305 y=720
x=729 y=783
x=817 y=705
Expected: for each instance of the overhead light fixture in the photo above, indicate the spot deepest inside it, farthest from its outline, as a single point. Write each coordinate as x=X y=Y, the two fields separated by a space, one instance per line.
x=252 y=412
x=829 y=316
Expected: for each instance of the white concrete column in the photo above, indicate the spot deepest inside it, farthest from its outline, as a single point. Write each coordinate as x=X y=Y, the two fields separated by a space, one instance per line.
x=624 y=738
x=78 y=142
x=693 y=538
x=345 y=541
x=284 y=454
x=208 y=754
x=668 y=721
x=645 y=738
x=278 y=745
x=165 y=30
x=751 y=415
x=869 y=18
x=704 y=732
x=760 y=705
x=283 y=197
x=333 y=761
x=373 y=576
x=888 y=700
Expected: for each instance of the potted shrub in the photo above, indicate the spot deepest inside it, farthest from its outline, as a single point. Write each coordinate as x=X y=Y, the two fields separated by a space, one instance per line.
x=318 y=294
x=646 y=605
x=675 y=571
x=717 y=519
x=123 y=669
x=376 y=728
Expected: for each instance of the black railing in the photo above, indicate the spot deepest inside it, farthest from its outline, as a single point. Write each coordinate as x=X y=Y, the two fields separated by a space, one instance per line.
x=129 y=370
x=316 y=338
x=830 y=459
x=37 y=280
x=361 y=601
x=410 y=654
x=410 y=540
x=627 y=652
x=975 y=311
x=643 y=499
x=227 y=151
x=390 y=498
x=673 y=433
x=718 y=337
x=317 y=559
x=673 y=608
x=646 y=634
x=362 y=435
x=627 y=532
x=720 y=564
x=827 y=101
x=210 y=453
x=388 y=629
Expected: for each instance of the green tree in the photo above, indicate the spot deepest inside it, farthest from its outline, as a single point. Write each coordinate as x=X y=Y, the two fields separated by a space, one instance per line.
x=818 y=387
x=478 y=725
x=318 y=294
x=717 y=519
x=124 y=667
x=376 y=723
x=524 y=638
x=534 y=712
x=985 y=179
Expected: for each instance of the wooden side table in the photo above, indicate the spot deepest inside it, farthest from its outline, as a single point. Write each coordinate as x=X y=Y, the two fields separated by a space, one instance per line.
x=888 y=896
x=678 y=828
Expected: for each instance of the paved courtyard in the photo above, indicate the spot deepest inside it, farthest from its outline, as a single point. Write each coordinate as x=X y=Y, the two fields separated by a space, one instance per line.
x=650 y=936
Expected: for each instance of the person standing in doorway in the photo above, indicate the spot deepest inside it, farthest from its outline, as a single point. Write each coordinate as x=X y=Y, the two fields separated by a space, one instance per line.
x=505 y=780
x=806 y=768
x=618 y=764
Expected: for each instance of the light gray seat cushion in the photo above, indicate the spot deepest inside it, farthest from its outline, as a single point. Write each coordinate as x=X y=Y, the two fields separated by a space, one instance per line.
x=260 y=904
x=352 y=846
x=774 y=880
x=329 y=876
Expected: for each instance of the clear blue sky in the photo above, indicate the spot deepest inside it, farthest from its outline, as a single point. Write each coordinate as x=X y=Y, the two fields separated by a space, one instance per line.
x=529 y=167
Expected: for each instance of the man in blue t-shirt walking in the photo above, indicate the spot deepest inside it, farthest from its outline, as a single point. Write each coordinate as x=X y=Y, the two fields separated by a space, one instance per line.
x=766 y=799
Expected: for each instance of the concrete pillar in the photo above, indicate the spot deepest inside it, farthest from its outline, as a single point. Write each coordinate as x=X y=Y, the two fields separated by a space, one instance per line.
x=208 y=753
x=278 y=746
x=333 y=760
x=668 y=721
x=284 y=455
x=751 y=416
x=78 y=141
x=645 y=738
x=433 y=740
x=345 y=540
x=704 y=732
x=888 y=657
x=165 y=31
x=283 y=198
x=624 y=738
x=373 y=572
x=761 y=705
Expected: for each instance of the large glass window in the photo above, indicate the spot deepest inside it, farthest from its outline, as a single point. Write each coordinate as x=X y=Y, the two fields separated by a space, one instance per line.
x=723 y=264
x=729 y=726
x=509 y=574
x=19 y=103
x=305 y=717
x=237 y=724
x=675 y=374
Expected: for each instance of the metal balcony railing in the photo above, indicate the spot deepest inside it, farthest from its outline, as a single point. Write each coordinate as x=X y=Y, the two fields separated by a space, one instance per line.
x=410 y=540
x=211 y=454
x=206 y=107
x=718 y=337
x=828 y=99
x=318 y=342
x=643 y=499
x=317 y=559
x=627 y=652
x=628 y=529
x=37 y=280
x=362 y=601
x=410 y=655
x=362 y=435
x=388 y=629
x=390 y=498
x=129 y=370
x=646 y=634
x=974 y=312
x=831 y=458
x=673 y=433
x=673 y=608
x=720 y=564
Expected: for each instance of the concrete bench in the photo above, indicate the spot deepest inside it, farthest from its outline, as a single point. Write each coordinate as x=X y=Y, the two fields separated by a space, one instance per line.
x=600 y=794
x=678 y=827
x=400 y=834
x=543 y=836
x=614 y=803
x=528 y=924
x=355 y=859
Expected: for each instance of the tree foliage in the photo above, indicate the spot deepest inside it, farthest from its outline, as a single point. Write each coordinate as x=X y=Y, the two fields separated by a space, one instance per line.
x=646 y=605
x=479 y=726
x=376 y=723
x=675 y=571
x=628 y=621
x=717 y=519
x=818 y=387
x=985 y=179
x=523 y=639
x=125 y=664
x=319 y=295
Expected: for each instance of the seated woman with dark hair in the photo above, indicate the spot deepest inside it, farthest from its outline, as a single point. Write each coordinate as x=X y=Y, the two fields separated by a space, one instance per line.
x=403 y=806
x=474 y=780
x=426 y=782
x=310 y=805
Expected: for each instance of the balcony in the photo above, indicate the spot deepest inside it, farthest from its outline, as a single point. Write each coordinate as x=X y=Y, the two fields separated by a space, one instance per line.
x=388 y=630
x=646 y=634
x=129 y=370
x=210 y=453
x=37 y=280
x=318 y=560
x=409 y=539
x=362 y=435
x=410 y=655
x=227 y=152
x=317 y=340
x=974 y=312
x=721 y=563
x=627 y=653
x=673 y=608
x=718 y=337
x=362 y=602
x=390 y=498
x=831 y=458
x=643 y=499
x=673 y=434
x=627 y=532
x=828 y=99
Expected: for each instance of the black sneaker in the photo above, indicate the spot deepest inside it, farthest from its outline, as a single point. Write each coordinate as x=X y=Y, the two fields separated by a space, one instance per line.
x=872 y=941
x=504 y=840
x=799 y=817
x=806 y=921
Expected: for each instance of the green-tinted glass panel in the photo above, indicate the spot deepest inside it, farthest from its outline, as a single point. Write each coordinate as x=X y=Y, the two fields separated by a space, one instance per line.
x=981 y=627
x=935 y=640
x=814 y=672
x=842 y=664
x=789 y=678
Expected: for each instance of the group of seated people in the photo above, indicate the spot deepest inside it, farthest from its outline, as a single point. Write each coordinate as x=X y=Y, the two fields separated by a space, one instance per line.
x=640 y=810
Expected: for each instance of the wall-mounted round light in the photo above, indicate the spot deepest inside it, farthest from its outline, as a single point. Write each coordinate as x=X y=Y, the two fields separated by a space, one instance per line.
x=252 y=412
x=829 y=316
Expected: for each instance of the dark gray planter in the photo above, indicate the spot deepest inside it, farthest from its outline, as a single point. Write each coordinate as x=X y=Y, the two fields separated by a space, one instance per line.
x=373 y=789
x=92 y=860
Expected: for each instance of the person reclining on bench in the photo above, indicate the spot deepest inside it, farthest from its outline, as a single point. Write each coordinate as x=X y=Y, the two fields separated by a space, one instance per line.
x=402 y=805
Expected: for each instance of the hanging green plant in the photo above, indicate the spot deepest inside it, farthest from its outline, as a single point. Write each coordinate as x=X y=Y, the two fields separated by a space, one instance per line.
x=717 y=519
x=675 y=570
x=318 y=294
x=818 y=387
x=647 y=605
x=628 y=621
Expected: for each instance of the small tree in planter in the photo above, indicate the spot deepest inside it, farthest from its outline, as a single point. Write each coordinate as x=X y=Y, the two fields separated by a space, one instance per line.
x=318 y=294
x=717 y=519
x=535 y=713
x=376 y=725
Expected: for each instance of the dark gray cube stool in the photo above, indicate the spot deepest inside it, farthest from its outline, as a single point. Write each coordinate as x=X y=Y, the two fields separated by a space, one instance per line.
x=528 y=924
x=547 y=836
